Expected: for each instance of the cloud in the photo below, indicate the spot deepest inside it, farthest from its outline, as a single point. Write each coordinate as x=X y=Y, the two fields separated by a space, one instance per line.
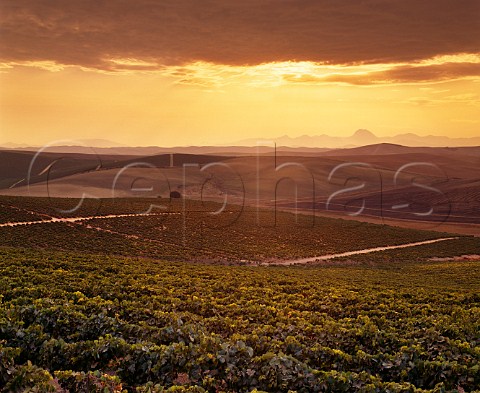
x=410 y=74
x=308 y=73
x=95 y=34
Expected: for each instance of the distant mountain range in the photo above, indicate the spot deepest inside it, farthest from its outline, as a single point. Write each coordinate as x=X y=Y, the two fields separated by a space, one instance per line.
x=104 y=143
x=154 y=150
x=305 y=144
x=364 y=137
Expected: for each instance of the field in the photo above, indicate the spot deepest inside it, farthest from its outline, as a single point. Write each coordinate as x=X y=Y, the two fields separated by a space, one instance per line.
x=98 y=323
x=183 y=208
x=188 y=231
x=177 y=301
x=290 y=179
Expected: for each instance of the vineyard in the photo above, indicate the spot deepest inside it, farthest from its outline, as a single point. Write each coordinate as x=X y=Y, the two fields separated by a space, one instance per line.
x=172 y=302
x=93 y=323
x=188 y=231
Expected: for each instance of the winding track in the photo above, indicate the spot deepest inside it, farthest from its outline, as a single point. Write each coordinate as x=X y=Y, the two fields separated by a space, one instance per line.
x=301 y=261
x=76 y=219
x=287 y=262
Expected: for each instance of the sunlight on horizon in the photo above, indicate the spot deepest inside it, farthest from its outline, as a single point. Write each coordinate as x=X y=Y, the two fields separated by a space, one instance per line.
x=206 y=103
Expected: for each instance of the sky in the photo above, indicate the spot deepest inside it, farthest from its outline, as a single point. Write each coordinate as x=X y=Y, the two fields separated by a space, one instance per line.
x=190 y=72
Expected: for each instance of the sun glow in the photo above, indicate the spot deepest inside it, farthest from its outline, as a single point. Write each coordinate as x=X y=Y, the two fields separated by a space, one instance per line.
x=211 y=75
x=207 y=103
x=290 y=72
x=473 y=58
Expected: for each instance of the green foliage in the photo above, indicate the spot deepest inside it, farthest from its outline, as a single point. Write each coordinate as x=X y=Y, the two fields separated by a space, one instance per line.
x=28 y=378
x=7 y=363
x=90 y=382
x=392 y=321
x=185 y=230
x=100 y=323
x=155 y=388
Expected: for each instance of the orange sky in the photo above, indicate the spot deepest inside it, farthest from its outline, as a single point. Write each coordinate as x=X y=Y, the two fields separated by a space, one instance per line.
x=176 y=73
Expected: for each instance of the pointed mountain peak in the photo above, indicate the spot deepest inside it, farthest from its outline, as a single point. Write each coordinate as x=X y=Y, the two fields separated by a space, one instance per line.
x=363 y=133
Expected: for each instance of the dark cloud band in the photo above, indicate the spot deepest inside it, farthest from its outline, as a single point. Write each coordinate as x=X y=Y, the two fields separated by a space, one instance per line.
x=174 y=32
